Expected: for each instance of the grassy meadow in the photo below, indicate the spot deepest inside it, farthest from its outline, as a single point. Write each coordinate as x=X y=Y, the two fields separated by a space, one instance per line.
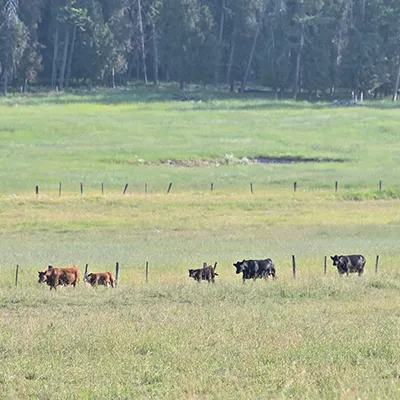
x=314 y=337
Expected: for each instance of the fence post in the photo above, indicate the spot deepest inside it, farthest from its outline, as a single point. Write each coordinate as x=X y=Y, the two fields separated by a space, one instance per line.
x=380 y=185
x=86 y=273
x=147 y=272
x=251 y=188
x=117 y=271
x=325 y=265
x=294 y=266
x=81 y=188
x=37 y=190
x=59 y=190
x=294 y=186
x=126 y=187
x=146 y=188
x=377 y=264
x=16 y=275
x=102 y=188
x=336 y=186
x=212 y=187
x=169 y=187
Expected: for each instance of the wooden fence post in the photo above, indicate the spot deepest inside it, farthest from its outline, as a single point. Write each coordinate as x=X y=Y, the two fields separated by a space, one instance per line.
x=146 y=188
x=377 y=264
x=212 y=187
x=102 y=188
x=380 y=185
x=117 y=271
x=37 y=190
x=81 y=188
x=294 y=186
x=294 y=266
x=126 y=187
x=147 y=272
x=16 y=275
x=169 y=187
x=59 y=190
x=325 y=265
x=251 y=188
x=86 y=272
x=336 y=186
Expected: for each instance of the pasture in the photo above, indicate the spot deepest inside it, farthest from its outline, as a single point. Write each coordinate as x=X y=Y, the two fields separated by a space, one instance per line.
x=314 y=337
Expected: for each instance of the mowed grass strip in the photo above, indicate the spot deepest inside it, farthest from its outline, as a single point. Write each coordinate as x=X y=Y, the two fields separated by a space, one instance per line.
x=181 y=231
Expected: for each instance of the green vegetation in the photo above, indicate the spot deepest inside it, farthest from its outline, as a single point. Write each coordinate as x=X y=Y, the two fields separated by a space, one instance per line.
x=316 y=337
x=96 y=139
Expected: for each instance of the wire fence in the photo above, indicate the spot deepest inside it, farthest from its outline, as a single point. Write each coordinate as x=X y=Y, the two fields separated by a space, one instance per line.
x=124 y=191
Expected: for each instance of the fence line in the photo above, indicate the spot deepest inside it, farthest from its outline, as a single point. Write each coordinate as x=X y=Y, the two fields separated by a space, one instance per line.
x=212 y=187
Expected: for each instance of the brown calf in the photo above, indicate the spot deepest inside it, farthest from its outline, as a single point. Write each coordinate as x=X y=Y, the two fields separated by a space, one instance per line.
x=101 y=278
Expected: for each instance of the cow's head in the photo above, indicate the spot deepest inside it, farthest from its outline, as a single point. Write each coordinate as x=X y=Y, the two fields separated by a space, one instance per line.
x=191 y=273
x=42 y=276
x=240 y=266
x=339 y=264
x=335 y=260
x=270 y=272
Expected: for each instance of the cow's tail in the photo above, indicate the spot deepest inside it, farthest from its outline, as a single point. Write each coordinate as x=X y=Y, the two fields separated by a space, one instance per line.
x=216 y=274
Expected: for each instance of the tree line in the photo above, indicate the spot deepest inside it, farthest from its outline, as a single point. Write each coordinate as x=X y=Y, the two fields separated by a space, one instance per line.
x=289 y=46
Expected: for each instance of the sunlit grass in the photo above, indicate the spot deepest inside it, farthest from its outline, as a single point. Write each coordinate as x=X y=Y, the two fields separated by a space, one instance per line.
x=116 y=139
x=312 y=338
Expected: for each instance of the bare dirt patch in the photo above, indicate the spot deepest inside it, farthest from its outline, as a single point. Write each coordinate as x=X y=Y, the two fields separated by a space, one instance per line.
x=229 y=159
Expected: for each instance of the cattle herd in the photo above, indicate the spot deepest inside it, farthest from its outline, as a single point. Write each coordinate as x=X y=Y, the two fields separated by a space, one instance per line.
x=250 y=269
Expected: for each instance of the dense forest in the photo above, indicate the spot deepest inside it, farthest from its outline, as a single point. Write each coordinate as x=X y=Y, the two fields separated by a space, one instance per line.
x=289 y=46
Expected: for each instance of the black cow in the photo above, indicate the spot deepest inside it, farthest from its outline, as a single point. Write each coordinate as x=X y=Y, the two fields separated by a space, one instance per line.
x=253 y=269
x=349 y=264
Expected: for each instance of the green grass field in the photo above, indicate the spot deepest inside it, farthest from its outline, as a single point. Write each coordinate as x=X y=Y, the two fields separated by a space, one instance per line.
x=314 y=337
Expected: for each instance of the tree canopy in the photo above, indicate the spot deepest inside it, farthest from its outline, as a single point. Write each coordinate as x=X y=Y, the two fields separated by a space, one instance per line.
x=292 y=46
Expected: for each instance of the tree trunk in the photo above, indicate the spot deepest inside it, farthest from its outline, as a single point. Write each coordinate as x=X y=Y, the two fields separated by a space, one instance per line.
x=5 y=82
x=155 y=55
x=298 y=63
x=64 y=58
x=396 y=85
x=71 y=53
x=220 y=35
x=253 y=49
x=230 y=63
x=55 y=54
x=142 y=41
x=113 y=77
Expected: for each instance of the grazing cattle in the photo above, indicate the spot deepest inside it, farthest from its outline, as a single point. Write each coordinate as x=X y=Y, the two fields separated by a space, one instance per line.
x=101 y=278
x=207 y=273
x=253 y=269
x=60 y=276
x=349 y=264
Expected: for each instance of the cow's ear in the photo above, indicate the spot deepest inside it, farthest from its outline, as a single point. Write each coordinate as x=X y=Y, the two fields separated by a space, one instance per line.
x=332 y=258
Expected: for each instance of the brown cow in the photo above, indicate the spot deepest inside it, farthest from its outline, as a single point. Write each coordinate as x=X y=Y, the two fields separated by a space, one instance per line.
x=60 y=276
x=101 y=278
